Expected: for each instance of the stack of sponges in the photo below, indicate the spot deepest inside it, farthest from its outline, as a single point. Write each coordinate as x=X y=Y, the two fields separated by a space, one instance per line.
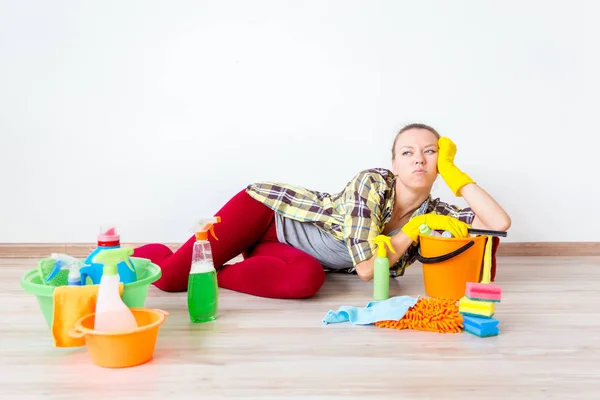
x=478 y=309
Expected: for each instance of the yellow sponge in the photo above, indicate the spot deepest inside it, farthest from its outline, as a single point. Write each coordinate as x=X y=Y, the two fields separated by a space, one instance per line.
x=477 y=308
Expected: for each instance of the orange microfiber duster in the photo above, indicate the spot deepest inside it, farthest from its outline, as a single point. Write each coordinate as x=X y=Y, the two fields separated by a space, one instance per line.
x=429 y=314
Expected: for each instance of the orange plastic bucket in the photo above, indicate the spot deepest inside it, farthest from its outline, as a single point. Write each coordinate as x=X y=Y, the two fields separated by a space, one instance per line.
x=122 y=349
x=449 y=263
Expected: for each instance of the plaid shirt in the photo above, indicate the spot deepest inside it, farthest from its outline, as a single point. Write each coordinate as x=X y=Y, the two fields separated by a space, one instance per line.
x=356 y=215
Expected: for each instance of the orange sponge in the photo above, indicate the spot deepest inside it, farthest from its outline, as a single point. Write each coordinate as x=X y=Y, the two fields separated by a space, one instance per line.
x=429 y=314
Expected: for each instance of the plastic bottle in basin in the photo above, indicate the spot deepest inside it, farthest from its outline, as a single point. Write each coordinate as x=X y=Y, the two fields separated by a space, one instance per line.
x=112 y=314
x=64 y=261
x=108 y=239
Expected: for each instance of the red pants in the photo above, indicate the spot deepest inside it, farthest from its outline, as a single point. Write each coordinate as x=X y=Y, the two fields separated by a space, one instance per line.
x=269 y=269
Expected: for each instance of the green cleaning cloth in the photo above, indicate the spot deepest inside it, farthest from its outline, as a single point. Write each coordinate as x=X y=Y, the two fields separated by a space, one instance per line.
x=45 y=268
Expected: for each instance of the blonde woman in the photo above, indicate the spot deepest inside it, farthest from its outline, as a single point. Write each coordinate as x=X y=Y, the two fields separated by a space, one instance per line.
x=289 y=235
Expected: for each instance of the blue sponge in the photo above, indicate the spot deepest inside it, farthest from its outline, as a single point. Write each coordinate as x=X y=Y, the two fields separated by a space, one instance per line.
x=482 y=327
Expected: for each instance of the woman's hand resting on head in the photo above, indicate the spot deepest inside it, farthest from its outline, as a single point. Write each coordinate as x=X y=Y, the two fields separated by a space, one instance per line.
x=452 y=175
x=488 y=213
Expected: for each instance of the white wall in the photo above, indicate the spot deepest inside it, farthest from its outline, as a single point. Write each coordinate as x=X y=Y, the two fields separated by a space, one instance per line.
x=168 y=108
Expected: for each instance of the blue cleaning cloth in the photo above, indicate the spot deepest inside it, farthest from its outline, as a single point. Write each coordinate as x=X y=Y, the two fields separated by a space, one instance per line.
x=393 y=308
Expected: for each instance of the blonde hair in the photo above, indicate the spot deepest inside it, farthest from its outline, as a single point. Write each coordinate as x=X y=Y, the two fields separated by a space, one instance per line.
x=408 y=127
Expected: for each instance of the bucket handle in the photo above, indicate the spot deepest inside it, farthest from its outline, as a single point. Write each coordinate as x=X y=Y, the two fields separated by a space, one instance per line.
x=445 y=257
x=76 y=333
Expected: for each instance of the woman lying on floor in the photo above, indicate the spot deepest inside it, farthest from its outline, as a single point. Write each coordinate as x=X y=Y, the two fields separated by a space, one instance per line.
x=289 y=235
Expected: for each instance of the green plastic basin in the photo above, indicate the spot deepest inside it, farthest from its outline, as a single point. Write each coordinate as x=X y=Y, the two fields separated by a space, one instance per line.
x=134 y=293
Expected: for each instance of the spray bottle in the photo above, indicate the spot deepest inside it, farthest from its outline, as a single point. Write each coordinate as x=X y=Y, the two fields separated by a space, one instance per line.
x=381 y=268
x=112 y=314
x=203 y=290
x=63 y=261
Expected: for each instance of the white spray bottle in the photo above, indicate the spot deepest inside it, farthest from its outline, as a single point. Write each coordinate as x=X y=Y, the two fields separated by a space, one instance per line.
x=112 y=314
x=63 y=261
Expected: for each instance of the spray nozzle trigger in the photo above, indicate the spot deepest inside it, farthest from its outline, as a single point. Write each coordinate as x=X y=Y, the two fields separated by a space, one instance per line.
x=212 y=232
x=205 y=226
x=110 y=259
x=381 y=241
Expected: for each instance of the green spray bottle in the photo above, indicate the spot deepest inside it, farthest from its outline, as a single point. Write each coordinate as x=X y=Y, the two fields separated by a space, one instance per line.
x=203 y=288
x=381 y=268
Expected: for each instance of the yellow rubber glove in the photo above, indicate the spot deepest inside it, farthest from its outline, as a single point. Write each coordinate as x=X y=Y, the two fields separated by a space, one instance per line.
x=454 y=177
x=437 y=222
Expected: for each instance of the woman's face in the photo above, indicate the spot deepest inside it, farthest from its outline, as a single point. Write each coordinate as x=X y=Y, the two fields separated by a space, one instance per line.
x=415 y=162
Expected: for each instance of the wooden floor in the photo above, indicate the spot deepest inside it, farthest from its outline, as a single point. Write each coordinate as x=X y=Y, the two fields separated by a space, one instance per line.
x=548 y=347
